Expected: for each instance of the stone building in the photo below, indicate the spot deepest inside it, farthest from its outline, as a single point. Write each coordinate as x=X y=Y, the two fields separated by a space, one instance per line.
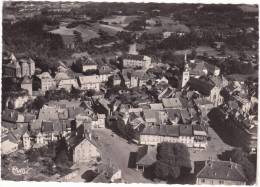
x=85 y=151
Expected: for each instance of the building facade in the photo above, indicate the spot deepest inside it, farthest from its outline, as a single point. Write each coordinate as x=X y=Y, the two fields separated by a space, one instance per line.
x=84 y=152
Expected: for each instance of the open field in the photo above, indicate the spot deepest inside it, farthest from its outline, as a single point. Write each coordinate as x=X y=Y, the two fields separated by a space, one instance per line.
x=168 y=25
x=85 y=31
x=123 y=21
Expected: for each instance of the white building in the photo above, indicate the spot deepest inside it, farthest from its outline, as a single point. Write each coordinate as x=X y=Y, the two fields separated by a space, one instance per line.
x=47 y=82
x=84 y=152
x=134 y=61
x=67 y=84
x=90 y=82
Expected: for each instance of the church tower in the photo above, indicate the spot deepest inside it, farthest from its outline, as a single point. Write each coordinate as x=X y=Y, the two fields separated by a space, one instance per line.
x=186 y=72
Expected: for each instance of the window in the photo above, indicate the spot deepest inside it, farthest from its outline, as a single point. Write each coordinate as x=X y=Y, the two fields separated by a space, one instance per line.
x=202 y=180
x=221 y=182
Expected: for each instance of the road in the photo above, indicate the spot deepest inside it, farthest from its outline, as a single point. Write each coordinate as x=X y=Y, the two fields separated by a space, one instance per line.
x=116 y=150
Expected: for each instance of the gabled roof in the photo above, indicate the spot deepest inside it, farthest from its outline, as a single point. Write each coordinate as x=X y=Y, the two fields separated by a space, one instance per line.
x=148 y=158
x=156 y=106
x=173 y=102
x=224 y=170
x=61 y=76
x=89 y=79
x=26 y=80
x=186 y=130
x=163 y=130
x=202 y=101
x=44 y=75
x=47 y=126
x=73 y=111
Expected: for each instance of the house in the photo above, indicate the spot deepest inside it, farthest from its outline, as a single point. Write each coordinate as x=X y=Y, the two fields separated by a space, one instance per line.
x=49 y=112
x=126 y=74
x=84 y=151
x=200 y=137
x=90 y=82
x=18 y=68
x=186 y=135
x=145 y=157
x=154 y=117
x=166 y=93
x=109 y=174
x=203 y=105
x=207 y=89
x=104 y=106
x=12 y=116
x=67 y=84
x=174 y=116
x=99 y=121
x=197 y=69
x=135 y=61
x=9 y=144
x=221 y=173
x=46 y=81
x=167 y=34
x=174 y=103
x=116 y=80
x=27 y=67
x=156 y=106
x=87 y=64
x=27 y=84
x=152 y=135
x=139 y=78
x=50 y=131
x=16 y=102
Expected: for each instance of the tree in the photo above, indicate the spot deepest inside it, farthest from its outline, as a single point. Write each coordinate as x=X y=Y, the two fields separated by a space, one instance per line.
x=75 y=93
x=173 y=160
x=62 y=154
x=90 y=93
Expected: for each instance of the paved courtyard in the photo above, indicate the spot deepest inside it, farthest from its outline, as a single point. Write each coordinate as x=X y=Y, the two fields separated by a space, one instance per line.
x=215 y=147
x=116 y=150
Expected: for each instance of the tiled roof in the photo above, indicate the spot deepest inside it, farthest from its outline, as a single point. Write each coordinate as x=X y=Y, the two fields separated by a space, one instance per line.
x=26 y=80
x=61 y=76
x=149 y=158
x=44 y=75
x=89 y=79
x=202 y=101
x=172 y=102
x=186 y=130
x=163 y=130
x=47 y=126
x=224 y=170
x=173 y=113
x=73 y=111
x=156 y=106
